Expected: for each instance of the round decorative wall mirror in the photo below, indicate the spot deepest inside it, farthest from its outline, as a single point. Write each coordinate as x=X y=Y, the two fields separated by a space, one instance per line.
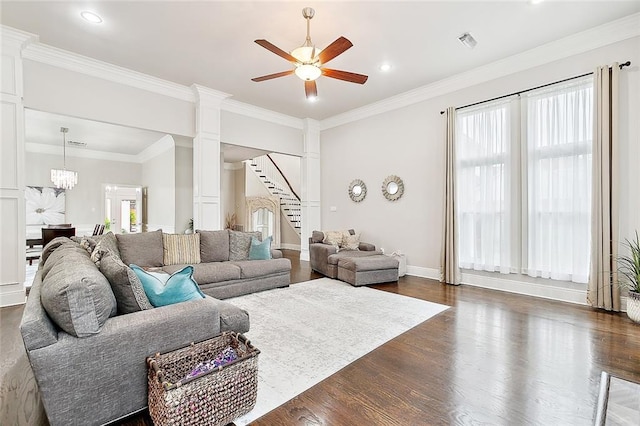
x=392 y=188
x=357 y=190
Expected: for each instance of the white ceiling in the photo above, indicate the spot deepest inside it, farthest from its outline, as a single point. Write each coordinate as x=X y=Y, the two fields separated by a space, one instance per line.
x=44 y=128
x=211 y=43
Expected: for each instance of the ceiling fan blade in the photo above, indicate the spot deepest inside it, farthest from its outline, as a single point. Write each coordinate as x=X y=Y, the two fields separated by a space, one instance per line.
x=275 y=49
x=334 y=49
x=270 y=76
x=310 y=89
x=345 y=75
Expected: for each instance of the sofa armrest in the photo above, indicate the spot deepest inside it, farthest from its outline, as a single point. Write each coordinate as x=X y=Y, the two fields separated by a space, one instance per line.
x=276 y=254
x=366 y=247
x=113 y=361
x=318 y=256
x=36 y=327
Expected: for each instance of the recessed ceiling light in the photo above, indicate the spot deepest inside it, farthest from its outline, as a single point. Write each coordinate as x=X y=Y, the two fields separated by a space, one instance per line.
x=91 y=17
x=535 y=1
x=468 y=40
x=385 y=67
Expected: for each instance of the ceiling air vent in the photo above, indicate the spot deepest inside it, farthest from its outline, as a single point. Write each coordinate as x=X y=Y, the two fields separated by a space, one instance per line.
x=76 y=144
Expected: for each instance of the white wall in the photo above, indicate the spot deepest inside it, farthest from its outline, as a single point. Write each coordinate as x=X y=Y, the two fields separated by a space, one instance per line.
x=290 y=166
x=84 y=203
x=159 y=176
x=184 y=187
x=241 y=130
x=57 y=90
x=409 y=142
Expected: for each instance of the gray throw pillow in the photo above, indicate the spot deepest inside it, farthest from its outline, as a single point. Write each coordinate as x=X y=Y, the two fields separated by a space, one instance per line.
x=214 y=246
x=317 y=236
x=125 y=284
x=240 y=244
x=76 y=296
x=143 y=249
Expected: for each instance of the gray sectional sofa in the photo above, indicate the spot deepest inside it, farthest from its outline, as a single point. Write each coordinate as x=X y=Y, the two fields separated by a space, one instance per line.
x=87 y=355
x=324 y=257
x=223 y=271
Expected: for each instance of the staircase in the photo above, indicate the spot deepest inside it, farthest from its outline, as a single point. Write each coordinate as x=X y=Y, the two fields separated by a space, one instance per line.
x=271 y=176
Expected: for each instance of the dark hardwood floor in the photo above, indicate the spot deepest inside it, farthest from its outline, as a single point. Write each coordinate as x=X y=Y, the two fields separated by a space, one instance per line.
x=492 y=358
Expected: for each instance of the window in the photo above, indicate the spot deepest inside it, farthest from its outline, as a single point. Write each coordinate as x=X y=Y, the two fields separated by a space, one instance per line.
x=524 y=183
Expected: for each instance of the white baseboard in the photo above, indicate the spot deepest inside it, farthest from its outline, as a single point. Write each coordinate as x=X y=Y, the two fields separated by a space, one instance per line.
x=512 y=286
x=304 y=254
x=419 y=271
x=17 y=297
x=529 y=289
x=290 y=246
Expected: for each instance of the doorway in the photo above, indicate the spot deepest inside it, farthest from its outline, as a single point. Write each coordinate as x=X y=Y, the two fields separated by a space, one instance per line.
x=122 y=208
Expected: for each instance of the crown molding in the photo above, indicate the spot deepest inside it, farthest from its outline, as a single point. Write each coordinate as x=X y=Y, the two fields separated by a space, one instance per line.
x=208 y=97
x=15 y=37
x=39 y=148
x=65 y=59
x=603 y=35
x=162 y=145
x=248 y=110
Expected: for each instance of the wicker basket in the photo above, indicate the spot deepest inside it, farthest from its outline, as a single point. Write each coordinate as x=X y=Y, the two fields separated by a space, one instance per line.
x=214 y=398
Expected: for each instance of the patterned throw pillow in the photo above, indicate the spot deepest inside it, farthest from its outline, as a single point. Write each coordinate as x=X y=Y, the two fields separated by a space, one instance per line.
x=181 y=249
x=240 y=243
x=125 y=284
x=350 y=242
x=107 y=243
x=334 y=238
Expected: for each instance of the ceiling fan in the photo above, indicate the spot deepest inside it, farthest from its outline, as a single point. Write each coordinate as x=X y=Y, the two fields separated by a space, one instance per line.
x=309 y=62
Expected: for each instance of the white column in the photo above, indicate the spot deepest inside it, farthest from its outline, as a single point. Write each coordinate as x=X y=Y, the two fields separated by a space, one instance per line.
x=206 y=159
x=12 y=170
x=310 y=179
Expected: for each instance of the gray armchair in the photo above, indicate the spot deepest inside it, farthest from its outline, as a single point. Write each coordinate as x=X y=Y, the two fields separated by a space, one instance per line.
x=324 y=257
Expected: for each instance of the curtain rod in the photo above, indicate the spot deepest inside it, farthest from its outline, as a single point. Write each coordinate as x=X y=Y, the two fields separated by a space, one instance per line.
x=626 y=64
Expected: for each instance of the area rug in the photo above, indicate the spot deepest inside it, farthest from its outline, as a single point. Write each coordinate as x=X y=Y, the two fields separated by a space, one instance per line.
x=310 y=330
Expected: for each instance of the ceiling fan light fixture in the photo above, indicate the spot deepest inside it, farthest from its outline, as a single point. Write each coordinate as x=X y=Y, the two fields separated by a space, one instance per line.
x=308 y=72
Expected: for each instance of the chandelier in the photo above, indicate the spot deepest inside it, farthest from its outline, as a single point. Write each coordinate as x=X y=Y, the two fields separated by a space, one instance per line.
x=64 y=179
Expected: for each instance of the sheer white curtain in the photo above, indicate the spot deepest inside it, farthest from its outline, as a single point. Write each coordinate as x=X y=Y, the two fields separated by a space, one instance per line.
x=559 y=133
x=483 y=141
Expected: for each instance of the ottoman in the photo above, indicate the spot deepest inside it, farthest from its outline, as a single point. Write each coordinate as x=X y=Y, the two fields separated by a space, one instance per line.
x=359 y=271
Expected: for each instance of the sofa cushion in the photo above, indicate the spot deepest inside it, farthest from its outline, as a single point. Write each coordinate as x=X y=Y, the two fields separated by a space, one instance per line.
x=107 y=243
x=214 y=272
x=260 y=268
x=57 y=250
x=214 y=246
x=143 y=249
x=125 y=284
x=164 y=289
x=181 y=249
x=260 y=250
x=51 y=247
x=240 y=243
x=76 y=296
x=333 y=258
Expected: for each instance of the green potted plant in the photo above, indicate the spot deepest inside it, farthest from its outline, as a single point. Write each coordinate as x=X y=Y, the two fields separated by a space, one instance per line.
x=629 y=267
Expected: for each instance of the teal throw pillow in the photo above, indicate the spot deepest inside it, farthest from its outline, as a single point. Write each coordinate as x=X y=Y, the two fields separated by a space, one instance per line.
x=164 y=289
x=260 y=250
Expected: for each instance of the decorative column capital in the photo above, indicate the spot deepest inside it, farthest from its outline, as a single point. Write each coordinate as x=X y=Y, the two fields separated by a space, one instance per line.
x=209 y=97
